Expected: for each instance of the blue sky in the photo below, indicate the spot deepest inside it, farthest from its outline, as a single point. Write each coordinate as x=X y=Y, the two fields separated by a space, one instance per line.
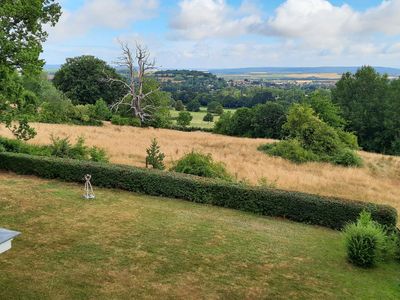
x=207 y=34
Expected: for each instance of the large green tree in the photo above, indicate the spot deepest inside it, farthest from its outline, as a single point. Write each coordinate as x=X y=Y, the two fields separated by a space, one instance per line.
x=21 y=36
x=369 y=102
x=85 y=79
x=22 y=32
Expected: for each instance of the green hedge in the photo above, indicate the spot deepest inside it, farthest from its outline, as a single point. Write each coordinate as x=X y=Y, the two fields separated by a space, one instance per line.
x=301 y=207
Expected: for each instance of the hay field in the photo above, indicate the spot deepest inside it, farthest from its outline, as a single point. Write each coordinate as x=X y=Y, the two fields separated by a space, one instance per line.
x=378 y=181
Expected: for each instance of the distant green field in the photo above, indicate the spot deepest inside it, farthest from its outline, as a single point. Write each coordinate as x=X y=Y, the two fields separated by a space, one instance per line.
x=198 y=118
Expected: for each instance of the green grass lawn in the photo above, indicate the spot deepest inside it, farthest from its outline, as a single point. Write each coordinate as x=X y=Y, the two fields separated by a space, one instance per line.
x=197 y=120
x=124 y=245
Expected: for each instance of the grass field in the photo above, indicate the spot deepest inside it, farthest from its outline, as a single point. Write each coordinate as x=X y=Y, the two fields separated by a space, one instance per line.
x=197 y=120
x=378 y=181
x=123 y=246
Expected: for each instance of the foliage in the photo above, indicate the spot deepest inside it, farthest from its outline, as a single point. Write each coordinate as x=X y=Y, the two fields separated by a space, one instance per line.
x=18 y=146
x=311 y=139
x=199 y=164
x=83 y=80
x=22 y=32
x=296 y=206
x=193 y=105
x=62 y=147
x=155 y=157
x=184 y=118
x=263 y=120
x=370 y=104
x=267 y=120
x=124 y=121
x=23 y=131
x=289 y=149
x=101 y=110
x=365 y=241
x=179 y=105
x=208 y=117
x=329 y=112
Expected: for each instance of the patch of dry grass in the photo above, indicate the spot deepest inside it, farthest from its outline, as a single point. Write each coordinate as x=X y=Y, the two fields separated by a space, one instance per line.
x=378 y=181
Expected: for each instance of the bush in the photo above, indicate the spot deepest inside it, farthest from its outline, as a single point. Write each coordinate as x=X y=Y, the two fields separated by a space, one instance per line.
x=348 y=158
x=296 y=206
x=208 y=117
x=61 y=147
x=201 y=165
x=179 y=106
x=155 y=157
x=125 y=121
x=184 y=118
x=289 y=149
x=365 y=241
x=193 y=105
x=17 y=146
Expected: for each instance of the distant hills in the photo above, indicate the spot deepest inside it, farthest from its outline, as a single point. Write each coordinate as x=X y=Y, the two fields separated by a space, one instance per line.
x=300 y=70
x=280 y=70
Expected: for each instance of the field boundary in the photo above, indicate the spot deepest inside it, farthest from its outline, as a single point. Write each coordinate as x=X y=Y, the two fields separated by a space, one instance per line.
x=297 y=206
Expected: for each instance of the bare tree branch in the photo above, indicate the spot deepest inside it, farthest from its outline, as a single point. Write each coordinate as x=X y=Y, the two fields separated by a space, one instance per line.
x=135 y=83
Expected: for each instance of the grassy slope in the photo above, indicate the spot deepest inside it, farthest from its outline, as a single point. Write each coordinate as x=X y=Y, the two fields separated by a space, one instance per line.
x=123 y=245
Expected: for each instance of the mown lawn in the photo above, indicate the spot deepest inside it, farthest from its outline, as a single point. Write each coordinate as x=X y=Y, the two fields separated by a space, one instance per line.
x=124 y=246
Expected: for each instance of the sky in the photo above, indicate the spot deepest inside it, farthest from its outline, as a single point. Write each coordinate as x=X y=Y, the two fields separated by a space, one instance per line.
x=207 y=34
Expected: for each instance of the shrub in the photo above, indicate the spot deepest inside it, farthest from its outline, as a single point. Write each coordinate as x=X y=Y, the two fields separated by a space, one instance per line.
x=18 y=146
x=313 y=209
x=289 y=149
x=179 y=106
x=98 y=154
x=184 y=118
x=101 y=110
x=208 y=117
x=365 y=241
x=201 y=165
x=60 y=147
x=348 y=158
x=193 y=105
x=155 y=157
x=125 y=121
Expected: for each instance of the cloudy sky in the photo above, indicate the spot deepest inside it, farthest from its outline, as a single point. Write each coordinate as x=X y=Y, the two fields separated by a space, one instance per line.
x=207 y=34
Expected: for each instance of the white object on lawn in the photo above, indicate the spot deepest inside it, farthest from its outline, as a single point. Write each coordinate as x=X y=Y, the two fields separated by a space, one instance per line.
x=88 y=188
x=6 y=237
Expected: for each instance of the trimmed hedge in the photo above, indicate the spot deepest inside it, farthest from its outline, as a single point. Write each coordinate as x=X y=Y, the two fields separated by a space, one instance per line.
x=301 y=207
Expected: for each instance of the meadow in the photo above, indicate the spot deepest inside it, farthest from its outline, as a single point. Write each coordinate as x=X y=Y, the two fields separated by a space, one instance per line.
x=198 y=116
x=378 y=181
x=123 y=245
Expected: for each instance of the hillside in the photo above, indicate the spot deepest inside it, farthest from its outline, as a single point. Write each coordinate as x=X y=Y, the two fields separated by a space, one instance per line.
x=124 y=245
x=378 y=181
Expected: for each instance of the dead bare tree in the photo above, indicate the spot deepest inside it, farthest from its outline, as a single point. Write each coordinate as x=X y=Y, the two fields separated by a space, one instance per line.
x=136 y=99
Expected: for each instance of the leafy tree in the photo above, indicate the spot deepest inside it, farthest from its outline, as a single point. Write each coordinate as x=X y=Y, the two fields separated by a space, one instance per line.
x=370 y=104
x=193 y=105
x=23 y=131
x=208 y=117
x=268 y=120
x=155 y=157
x=219 y=110
x=21 y=36
x=328 y=111
x=101 y=110
x=83 y=80
x=179 y=105
x=22 y=32
x=212 y=106
x=184 y=118
x=241 y=122
x=311 y=139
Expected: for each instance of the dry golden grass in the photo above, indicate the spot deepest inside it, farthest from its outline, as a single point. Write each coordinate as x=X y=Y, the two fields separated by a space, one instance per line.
x=378 y=181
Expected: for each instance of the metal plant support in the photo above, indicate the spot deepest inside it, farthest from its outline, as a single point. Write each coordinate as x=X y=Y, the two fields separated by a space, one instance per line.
x=88 y=188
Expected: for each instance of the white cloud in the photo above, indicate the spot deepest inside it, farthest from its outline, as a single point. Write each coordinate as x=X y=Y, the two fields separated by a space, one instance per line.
x=199 y=19
x=115 y=14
